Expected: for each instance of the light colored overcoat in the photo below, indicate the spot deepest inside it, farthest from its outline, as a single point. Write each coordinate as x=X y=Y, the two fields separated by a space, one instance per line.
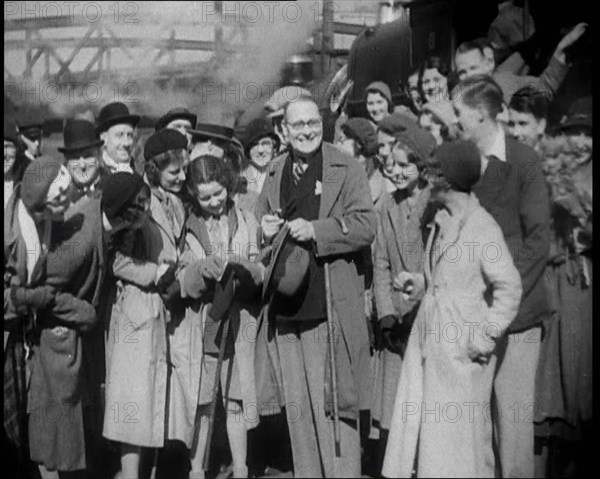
x=443 y=400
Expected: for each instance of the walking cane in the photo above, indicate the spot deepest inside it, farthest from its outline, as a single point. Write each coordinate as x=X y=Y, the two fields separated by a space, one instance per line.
x=336 y=418
x=213 y=402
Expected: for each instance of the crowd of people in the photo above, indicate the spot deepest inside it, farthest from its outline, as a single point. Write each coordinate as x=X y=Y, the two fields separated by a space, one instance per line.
x=424 y=284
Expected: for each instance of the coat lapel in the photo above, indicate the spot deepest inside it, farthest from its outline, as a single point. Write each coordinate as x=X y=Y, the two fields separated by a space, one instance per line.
x=492 y=184
x=275 y=173
x=334 y=175
x=397 y=215
x=160 y=218
x=198 y=228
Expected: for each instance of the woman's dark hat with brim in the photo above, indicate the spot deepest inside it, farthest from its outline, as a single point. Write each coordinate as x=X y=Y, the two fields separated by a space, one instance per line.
x=115 y=113
x=176 y=114
x=579 y=116
x=210 y=130
x=288 y=266
x=79 y=135
x=257 y=129
x=10 y=131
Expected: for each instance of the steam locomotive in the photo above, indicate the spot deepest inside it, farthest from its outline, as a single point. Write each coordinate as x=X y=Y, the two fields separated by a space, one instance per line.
x=409 y=31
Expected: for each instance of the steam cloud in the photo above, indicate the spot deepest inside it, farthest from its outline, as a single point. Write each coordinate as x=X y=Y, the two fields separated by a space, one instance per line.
x=258 y=38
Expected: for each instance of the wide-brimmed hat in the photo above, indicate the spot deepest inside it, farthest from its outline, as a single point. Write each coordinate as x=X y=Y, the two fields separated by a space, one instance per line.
x=115 y=114
x=175 y=114
x=288 y=267
x=257 y=129
x=79 y=135
x=579 y=116
x=212 y=130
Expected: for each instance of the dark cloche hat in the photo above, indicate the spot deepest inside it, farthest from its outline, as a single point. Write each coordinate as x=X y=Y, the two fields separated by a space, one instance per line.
x=175 y=114
x=162 y=141
x=257 y=129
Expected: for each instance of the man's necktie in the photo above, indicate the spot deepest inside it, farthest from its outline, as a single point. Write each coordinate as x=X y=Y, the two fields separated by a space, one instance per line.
x=215 y=233
x=298 y=168
x=490 y=163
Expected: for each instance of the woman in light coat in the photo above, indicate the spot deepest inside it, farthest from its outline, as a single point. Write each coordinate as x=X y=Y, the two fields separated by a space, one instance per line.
x=217 y=231
x=472 y=294
x=144 y=267
x=398 y=251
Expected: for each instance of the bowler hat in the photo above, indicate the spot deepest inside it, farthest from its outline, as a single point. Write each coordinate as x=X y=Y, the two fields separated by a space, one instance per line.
x=257 y=129
x=115 y=113
x=580 y=115
x=175 y=114
x=79 y=135
x=288 y=266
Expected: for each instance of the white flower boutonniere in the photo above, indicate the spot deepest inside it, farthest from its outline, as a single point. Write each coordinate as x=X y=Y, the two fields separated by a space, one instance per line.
x=318 y=188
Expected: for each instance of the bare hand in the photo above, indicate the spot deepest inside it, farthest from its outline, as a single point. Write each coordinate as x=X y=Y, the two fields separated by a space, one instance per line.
x=404 y=282
x=270 y=225
x=301 y=230
x=571 y=37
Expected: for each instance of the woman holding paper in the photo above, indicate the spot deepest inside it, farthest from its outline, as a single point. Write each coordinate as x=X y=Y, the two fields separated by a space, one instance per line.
x=217 y=233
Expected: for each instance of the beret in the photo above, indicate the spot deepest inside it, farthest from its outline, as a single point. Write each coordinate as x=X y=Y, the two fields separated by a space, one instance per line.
x=420 y=141
x=405 y=130
x=162 y=141
x=361 y=130
x=460 y=163
x=118 y=189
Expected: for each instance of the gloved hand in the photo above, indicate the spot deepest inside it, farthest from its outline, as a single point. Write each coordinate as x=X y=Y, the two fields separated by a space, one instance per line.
x=212 y=267
x=74 y=312
x=171 y=294
x=166 y=278
x=41 y=297
x=394 y=334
